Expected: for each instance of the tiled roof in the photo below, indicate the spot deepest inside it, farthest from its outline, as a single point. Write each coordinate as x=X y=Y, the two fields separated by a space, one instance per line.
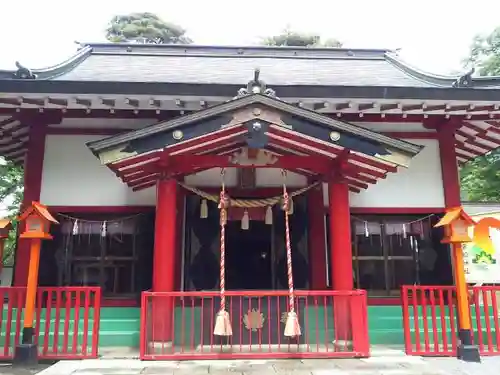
x=233 y=65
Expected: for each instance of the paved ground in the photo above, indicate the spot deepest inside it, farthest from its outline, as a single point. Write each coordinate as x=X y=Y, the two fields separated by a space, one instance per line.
x=6 y=369
x=387 y=362
x=374 y=366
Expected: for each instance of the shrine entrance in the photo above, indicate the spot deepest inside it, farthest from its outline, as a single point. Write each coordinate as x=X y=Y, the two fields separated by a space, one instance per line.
x=249 y=258
x=284 y=146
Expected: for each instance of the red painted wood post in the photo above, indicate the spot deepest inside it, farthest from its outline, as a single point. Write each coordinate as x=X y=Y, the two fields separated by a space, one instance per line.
x=33 y=168
x=341 y=255
x=317 y=255
x=164 y=257
x=449 y=168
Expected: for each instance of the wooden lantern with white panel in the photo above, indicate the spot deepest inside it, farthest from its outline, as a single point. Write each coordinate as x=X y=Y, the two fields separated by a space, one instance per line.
x=456 y=224
x=37 y=220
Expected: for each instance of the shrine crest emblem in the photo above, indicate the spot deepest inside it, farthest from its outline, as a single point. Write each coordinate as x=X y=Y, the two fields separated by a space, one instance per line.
x=253 y=320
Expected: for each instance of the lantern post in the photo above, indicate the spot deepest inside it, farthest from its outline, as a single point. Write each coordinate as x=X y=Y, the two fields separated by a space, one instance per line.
x=37 y=227
x=456 y=225
x=5 y=228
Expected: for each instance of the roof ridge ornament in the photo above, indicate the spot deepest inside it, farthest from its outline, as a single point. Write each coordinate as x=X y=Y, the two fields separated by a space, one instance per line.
x=256 y=86
x=23 y=73
x=464 y=80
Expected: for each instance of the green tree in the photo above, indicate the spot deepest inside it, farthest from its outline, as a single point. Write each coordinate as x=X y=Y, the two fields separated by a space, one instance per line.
x=480 y=178
x=146 y=28
x=289 y=37
x=485 y=53
x=11 y=195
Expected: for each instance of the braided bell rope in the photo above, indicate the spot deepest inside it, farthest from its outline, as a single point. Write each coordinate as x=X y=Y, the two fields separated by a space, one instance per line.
x=247 y=203
x=286 y=208
x=223 y=204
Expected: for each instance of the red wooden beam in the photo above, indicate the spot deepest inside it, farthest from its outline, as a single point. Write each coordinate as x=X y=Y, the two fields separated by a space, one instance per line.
x=152 y=167
x=464 y=147
x=462 y=155
x=355 y=183
x=207 y=142
x=145 y=185
x=482 y=133
x=136 y=159
x=286 y=140
x=182 y=163
x=142 y=180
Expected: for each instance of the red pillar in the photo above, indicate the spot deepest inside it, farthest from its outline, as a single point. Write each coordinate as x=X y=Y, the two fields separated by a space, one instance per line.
x=341 y=258
x=164 y=257
x=340 y=236
x=317 y=251
x=33 y=168
x=449 y=168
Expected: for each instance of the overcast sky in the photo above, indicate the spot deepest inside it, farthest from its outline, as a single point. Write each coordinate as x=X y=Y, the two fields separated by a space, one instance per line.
x=434 y=34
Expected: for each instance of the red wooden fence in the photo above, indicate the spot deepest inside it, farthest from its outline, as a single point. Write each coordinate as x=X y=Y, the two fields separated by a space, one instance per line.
x=179 y=325
x=66 y=321
x=430 y=320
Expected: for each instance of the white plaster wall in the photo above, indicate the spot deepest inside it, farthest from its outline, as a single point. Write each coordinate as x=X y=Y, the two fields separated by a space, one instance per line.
x=212 y=178
x=419 y=185
x=73 y=176
x=272 y=177
x=265 y=177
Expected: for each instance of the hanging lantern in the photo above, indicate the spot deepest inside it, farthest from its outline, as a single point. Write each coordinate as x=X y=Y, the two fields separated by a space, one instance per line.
x=203 y=209
x=245 y=221
x=75 y=228
x=269 y=215
x=103 y=229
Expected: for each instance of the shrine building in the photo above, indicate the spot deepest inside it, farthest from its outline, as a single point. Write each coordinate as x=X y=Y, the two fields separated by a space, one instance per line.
x=346 y=157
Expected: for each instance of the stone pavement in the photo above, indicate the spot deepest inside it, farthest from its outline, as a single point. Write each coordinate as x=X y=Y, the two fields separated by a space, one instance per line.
x=383 y=365
x=7 y=369
x=382 y=362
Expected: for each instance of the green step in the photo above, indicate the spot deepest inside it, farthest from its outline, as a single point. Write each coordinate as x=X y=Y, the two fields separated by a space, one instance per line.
x=109 y=324
x=106 y=338
x=120 y=326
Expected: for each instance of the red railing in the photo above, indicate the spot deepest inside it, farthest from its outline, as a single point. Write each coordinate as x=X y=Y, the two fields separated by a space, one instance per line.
x=430 y=319
x=179 y=325
x=66 y=321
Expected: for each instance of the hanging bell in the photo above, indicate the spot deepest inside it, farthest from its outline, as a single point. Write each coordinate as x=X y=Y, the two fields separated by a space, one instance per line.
x=269 y=215
x=203 y=209
x=245 y=221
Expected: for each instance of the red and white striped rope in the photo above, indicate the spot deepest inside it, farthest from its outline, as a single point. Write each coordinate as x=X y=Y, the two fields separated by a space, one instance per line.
x=286 y=207
x=223 y=219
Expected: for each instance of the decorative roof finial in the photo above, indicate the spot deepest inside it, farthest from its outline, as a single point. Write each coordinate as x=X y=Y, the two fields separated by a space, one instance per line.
x=464 y=80
x=256 y=86
x=23 y=73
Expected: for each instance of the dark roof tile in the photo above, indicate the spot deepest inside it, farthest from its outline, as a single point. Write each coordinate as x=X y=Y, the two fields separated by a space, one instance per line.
x=281 y=66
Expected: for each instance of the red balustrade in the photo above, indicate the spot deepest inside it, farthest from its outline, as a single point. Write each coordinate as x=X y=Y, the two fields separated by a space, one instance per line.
x=179 y=325
x=430 y=320
x=66 y=321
